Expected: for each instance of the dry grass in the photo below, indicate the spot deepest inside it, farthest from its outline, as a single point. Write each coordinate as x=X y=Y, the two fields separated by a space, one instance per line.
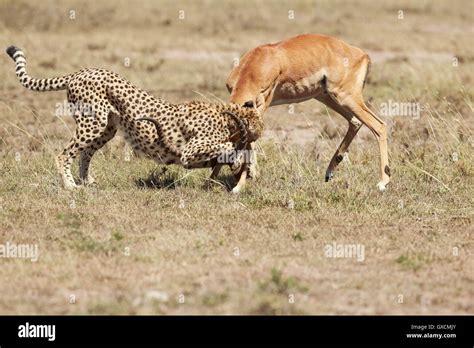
x=128 y=247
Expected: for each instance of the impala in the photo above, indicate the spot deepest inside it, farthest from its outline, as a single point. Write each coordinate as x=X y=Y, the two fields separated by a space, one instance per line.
x=311 y=67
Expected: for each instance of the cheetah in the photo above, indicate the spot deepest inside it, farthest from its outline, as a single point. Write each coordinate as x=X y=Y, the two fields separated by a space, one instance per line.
x=193 y=134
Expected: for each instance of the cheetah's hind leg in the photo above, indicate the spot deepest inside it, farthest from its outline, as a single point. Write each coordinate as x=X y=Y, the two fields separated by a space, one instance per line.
x=200 y=151
x=96 y=144
x=88 y=129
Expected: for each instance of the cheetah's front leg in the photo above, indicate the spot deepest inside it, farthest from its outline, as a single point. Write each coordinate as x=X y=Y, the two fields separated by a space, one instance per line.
x=251 y=168
x=199 y=151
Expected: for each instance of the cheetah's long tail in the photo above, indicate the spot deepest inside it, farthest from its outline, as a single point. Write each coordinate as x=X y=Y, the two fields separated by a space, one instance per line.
x=52 y=84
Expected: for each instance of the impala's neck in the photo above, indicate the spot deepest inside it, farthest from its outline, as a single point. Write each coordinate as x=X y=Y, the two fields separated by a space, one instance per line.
x=244 y=93
x=253 y=82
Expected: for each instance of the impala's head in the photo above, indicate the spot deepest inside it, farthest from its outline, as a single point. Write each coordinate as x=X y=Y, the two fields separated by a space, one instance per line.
x=252 y=82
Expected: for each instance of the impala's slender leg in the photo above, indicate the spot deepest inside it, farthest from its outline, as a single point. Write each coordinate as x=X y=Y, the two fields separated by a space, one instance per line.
x=253 y=166
x=378 y=128
x=242 y=175
x=215 y=172
x=354 y=126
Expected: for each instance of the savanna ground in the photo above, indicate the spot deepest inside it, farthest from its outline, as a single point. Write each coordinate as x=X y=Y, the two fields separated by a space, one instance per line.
x=148 y=240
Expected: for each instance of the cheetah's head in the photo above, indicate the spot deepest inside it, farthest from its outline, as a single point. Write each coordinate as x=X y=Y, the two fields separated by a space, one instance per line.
x=248 y=121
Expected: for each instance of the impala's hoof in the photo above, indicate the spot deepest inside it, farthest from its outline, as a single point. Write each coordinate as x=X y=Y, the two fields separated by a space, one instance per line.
x=88 y=182
x=329 y=175
x=381 y=186
x=236 y=190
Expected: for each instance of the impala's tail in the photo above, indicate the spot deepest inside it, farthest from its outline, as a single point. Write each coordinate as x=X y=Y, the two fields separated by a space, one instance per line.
x=52 y=84
x=367 y=71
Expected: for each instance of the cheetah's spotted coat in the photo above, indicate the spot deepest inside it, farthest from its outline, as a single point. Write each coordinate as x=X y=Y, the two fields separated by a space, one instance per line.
x=192 y=134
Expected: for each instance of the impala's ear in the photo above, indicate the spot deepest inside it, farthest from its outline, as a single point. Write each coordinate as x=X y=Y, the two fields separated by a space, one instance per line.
x=248 y=104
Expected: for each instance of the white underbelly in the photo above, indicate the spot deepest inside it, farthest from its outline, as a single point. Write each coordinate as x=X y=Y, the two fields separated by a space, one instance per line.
x=298 y=91
x=291 y=100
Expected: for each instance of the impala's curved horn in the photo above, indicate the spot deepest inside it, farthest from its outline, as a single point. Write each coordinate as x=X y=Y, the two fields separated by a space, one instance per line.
x=242 y=143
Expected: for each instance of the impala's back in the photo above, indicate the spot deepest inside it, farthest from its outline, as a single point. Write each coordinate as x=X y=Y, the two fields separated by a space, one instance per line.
x=292 y=71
